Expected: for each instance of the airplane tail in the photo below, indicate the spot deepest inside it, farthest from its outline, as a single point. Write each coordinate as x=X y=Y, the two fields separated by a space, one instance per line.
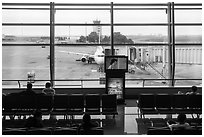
x=99 y=49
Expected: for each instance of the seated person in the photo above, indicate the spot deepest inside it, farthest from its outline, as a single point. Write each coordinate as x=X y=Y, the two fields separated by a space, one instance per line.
x=180 y=124
x=193 y=91
x=28 y=91
x=48 y=89
x=180 y=93
x=87 y=124
x=35 y=120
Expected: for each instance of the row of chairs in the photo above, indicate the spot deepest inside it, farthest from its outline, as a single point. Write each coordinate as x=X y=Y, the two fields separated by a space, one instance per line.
x=51 y=131
x=145 y=124
x=167 y=131
x=169 y=104
x=60 y=104
x=19 y=123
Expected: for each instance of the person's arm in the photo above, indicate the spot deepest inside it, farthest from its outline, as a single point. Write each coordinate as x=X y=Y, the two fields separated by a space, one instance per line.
x=172 y=126
x=28 y=122
x=53 y=91
x=110 y=67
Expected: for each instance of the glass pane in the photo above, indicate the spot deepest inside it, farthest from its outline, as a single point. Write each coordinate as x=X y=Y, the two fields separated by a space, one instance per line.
x=188 y=34
x=25 y=34
x=145 y=62
x=26 y=16
x=144 y=33
x=188 y=65
x=20 y=61
x=134 y=16
x=188 y=16
x=73 y=34
x=79 y=63
x=82 y=16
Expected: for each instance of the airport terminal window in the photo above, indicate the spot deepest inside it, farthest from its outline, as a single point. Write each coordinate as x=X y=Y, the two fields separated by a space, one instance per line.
x=20 y=61
x=144 y=39
x=195 y=16
x=30 y=16
x=134 y=16
x=77 y=16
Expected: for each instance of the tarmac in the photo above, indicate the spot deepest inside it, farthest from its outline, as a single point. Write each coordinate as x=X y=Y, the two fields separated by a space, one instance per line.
x=17 y=61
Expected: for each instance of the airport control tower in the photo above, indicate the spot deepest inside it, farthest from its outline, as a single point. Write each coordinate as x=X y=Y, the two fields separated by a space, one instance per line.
x=97 y=29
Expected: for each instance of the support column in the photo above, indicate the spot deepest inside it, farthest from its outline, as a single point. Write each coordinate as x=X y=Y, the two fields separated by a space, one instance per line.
x=173 y=45
x=52 y=43
x=169 y=44
x=112 y=31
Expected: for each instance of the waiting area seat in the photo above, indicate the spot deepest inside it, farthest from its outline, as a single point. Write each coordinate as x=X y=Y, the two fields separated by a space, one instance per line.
x=60 y=104
x=65 y=131
x=159 y=131
x=92 y=131
x=44 y=103
x=39 y=131
x=76 y=104
x=92 y=104
x=109 y=104
x=169 y=104
x=163 y=104
x=167 y=131
x=180 y=104
x=191 y=131
x=147 y=104
x=14 y=131
x=53 y=131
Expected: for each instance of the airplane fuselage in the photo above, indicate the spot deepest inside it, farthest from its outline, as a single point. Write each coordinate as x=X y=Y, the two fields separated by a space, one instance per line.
x=99 y=59
x=99 y=55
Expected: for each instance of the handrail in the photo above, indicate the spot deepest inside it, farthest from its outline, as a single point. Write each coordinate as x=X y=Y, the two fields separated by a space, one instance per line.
x=92 y=79
x=100 y=4
x=83 y=80
x=104 y=24
x=100 y=8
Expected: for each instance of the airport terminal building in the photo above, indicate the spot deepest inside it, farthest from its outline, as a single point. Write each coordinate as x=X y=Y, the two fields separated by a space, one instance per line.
x=131 y=68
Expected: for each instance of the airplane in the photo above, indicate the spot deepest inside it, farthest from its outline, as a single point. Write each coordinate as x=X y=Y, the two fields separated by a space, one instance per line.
x=98 y=56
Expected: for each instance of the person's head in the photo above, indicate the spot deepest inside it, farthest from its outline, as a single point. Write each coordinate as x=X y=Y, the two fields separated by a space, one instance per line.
x=29 y=85
x=48 y=85
x=181 y=118
x=194 y=88
x=37 y=114
x=86 y=118
x=113 y=61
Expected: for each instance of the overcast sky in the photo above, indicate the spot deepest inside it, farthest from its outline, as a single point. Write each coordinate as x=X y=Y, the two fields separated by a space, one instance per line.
x=87 y=16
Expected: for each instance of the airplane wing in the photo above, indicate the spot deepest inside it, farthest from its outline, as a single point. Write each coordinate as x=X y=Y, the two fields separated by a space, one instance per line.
x=77 y=53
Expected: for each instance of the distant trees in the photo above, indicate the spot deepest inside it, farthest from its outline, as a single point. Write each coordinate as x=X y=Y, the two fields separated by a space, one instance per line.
x=121 y=39
x=82 y=39
x=105 y=40
x=94 y=38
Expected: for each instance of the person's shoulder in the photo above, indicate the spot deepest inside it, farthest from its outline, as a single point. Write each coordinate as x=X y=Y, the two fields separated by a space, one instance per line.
x=94 y=124
x=186 y=124
x=30 y=120
x=180 y=125
x=48 y=91
x=189 y=93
